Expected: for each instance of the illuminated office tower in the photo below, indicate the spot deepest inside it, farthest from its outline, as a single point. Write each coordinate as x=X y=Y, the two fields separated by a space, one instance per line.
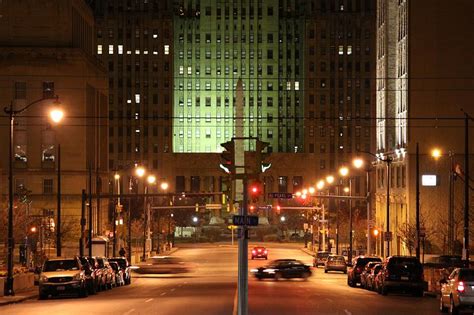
x=216 y=43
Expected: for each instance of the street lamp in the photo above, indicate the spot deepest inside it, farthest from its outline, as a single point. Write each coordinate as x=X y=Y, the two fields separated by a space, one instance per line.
x=116 y=209
x=320 y=185
x=358 y=164
x=12 y=113
x=150 y=180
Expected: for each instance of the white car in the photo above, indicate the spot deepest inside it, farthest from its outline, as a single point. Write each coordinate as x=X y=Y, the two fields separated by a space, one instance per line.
x=457 y=292
x=62 y=276
x=162 y=264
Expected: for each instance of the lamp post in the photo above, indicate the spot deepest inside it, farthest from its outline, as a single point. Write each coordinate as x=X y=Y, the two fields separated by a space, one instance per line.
x=56 y=115
x=344 y=172
x=151 y=179
x=320 y=185
x=358 y=163
x=139 y=173
x=116 y=209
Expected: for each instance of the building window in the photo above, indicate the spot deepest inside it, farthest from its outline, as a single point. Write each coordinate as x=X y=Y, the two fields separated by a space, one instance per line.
x=99 y=49
x=20 y=90
x=282 y=184
x=111 y=49
x=167 y=49
x=47 y=186
x=48 y=89
x=341 y=50
x=195 y=183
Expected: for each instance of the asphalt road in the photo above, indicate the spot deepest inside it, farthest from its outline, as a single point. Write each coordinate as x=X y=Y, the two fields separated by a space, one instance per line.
x=211 y=289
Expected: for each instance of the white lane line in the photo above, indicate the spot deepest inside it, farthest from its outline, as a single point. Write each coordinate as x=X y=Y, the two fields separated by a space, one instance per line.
x=149 y=300
x=173 y=289
x=347 y=312
x=164 y=293
x=329 y=300
x=129 y=311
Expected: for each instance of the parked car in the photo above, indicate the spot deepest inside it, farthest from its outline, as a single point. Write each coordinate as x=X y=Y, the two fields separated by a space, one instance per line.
x=91 y=281
x=98 y=273
x=358 y=264
x=62 y=276
x=370 y=282
x=283 y=268
x=335 y=263
x=401 y=273
x=320 y=258
x=108 y=273
x=457 y=293
x=366 y=272
x=163 y=264
x=259 y=252
x=119 y=274
x=123 y=263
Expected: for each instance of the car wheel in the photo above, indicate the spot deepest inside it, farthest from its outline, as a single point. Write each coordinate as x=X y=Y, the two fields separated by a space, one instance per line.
x=305 y=275
x=350 y=283
x=325 y=271
x=419 y=293
x=453 y=310
x=384 y=290
x=277 y=276
x=92 y=288
x=83 y=292
x=43 y=296
x=442 y=307
x=266 y=257
x=345 y=271
x=129 y=280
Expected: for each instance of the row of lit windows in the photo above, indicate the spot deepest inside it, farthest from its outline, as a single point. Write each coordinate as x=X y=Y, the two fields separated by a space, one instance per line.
x=128 y=33
x=120 y=51
x=235 y=38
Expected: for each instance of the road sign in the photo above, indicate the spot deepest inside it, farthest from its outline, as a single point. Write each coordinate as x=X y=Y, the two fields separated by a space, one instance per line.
x=388 y=236
x=280 y=195
x=213 y=206
x=245 y=220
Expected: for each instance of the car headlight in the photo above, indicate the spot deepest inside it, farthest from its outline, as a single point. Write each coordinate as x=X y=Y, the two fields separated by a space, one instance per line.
x=43 y=279
x=77 y=277
x=269 y=270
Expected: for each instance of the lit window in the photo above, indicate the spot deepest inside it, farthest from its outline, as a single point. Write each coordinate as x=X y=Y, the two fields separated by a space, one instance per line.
x=190 y=71
x=155 y=35
x=155 y=52
x=137 y=116
x=137 y=130
x=145 y=52
x=288 y=85
x=99 y=49
x=120 y=49
x=297 y=86
x=137 y=98
x=167 y=49
x=349 y=50
x=129 y=101
x=341 y=50
x=111 y=49
x=181 y=69
x=137 y=51
x=129 y=52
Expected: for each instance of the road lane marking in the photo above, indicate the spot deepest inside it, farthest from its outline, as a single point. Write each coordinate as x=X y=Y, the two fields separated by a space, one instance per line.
x=149 y=300
x=129 y=311
x=347 y=312
x=329 y=300
x=164 y=293
x=173 y=289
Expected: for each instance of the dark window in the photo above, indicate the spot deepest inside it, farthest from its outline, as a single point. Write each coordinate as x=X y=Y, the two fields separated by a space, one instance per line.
x=195 y=183
x=180 y=184
x=20 y=90
x=48 y=89
x=47 y=186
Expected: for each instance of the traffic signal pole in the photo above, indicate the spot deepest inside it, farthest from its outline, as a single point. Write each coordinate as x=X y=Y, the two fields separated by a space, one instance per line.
x=243 y=257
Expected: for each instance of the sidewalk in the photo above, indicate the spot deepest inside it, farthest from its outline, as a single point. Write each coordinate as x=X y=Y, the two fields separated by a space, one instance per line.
x=19 y=297
x=307 y=251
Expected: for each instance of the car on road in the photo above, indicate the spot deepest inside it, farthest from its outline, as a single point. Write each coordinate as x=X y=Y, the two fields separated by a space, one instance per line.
x=335 y=263
x=370 y=281
x=163 y=265
x=366 y=272
x=119 y=274
x=401 y=273
x=283 y=268
x=259 y=252
x=127 y=272
x=62 y=276
x=91 y=281
x=108 y=273
x=320 y=258
x=457 y=292
x=358 y=265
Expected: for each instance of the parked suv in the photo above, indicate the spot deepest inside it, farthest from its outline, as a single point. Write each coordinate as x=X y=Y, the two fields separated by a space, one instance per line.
x=91 y=281
x=108 y=274
x=125 y=266
x=358 y=265
x=402 y=273
x=320 y=258
x=62 y=276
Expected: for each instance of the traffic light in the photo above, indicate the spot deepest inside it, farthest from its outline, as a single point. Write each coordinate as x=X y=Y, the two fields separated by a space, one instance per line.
x=228 y=157
x=260 y=157
x=255 y=189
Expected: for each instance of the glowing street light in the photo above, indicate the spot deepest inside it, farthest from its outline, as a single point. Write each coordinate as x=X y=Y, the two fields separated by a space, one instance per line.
x=358 y=162
x=140 y=171
x=195 y=219
x=56 y=115
x=311 y=190
x=117 y=176
x=151 y=179
x=282 y=218
x=320 y=184
x=436 y=153
x=346 y=189
x=164 y=185
x=330 y=179
x=344 y=171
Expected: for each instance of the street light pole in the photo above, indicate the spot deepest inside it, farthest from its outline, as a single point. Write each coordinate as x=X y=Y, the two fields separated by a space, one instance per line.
x=417 y=200
x=367 y=185
x=58 y=226
x=465 y=253
x=349 y=257
x=388 y=236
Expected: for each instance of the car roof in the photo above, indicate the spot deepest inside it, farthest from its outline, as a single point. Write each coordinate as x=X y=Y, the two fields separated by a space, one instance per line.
x=61 y=259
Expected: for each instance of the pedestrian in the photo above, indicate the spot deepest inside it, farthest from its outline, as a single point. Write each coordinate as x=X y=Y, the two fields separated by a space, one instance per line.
x=122 y=252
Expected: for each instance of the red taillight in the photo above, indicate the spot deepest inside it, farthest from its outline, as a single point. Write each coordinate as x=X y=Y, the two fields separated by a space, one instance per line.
x=461 y=287
x=253 y=252
x=387 y=275
x=265 y=252
x=359 y=269
x=259 y=250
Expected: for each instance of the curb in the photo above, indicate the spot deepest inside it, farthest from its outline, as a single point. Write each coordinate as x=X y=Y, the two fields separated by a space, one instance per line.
x=17 y=300
x=307 y=251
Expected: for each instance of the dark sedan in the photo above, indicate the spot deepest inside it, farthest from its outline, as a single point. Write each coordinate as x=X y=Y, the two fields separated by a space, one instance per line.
x=283 y=268
x=125 y=266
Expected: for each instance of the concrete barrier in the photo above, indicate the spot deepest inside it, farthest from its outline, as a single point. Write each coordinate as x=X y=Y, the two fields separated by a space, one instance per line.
x=21 y=282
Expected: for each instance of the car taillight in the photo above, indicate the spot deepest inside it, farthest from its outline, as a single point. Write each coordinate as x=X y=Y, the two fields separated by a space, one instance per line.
x=265 y=251
x=259 y=250
x=359 y=269
x=460 y=287
x=387 y=275
x=253 y=252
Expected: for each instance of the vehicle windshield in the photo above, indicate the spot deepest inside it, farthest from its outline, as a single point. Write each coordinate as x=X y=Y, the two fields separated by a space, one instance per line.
x=364 y=261
x=322 y=255
x=404 y=264
x=121 y=262
x=466 y=275
x=336 y=258
x=60 y=265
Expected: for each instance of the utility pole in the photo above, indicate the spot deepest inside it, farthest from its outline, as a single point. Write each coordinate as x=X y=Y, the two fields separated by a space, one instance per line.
x=417 y=181
x=58 y=225
x=465 y=251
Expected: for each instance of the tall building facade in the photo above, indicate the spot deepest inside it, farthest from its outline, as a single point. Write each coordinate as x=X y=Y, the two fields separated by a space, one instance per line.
x=339 y=86
x=423 y=82
x=39 y=60
x=216 y=43
x=135 y=44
